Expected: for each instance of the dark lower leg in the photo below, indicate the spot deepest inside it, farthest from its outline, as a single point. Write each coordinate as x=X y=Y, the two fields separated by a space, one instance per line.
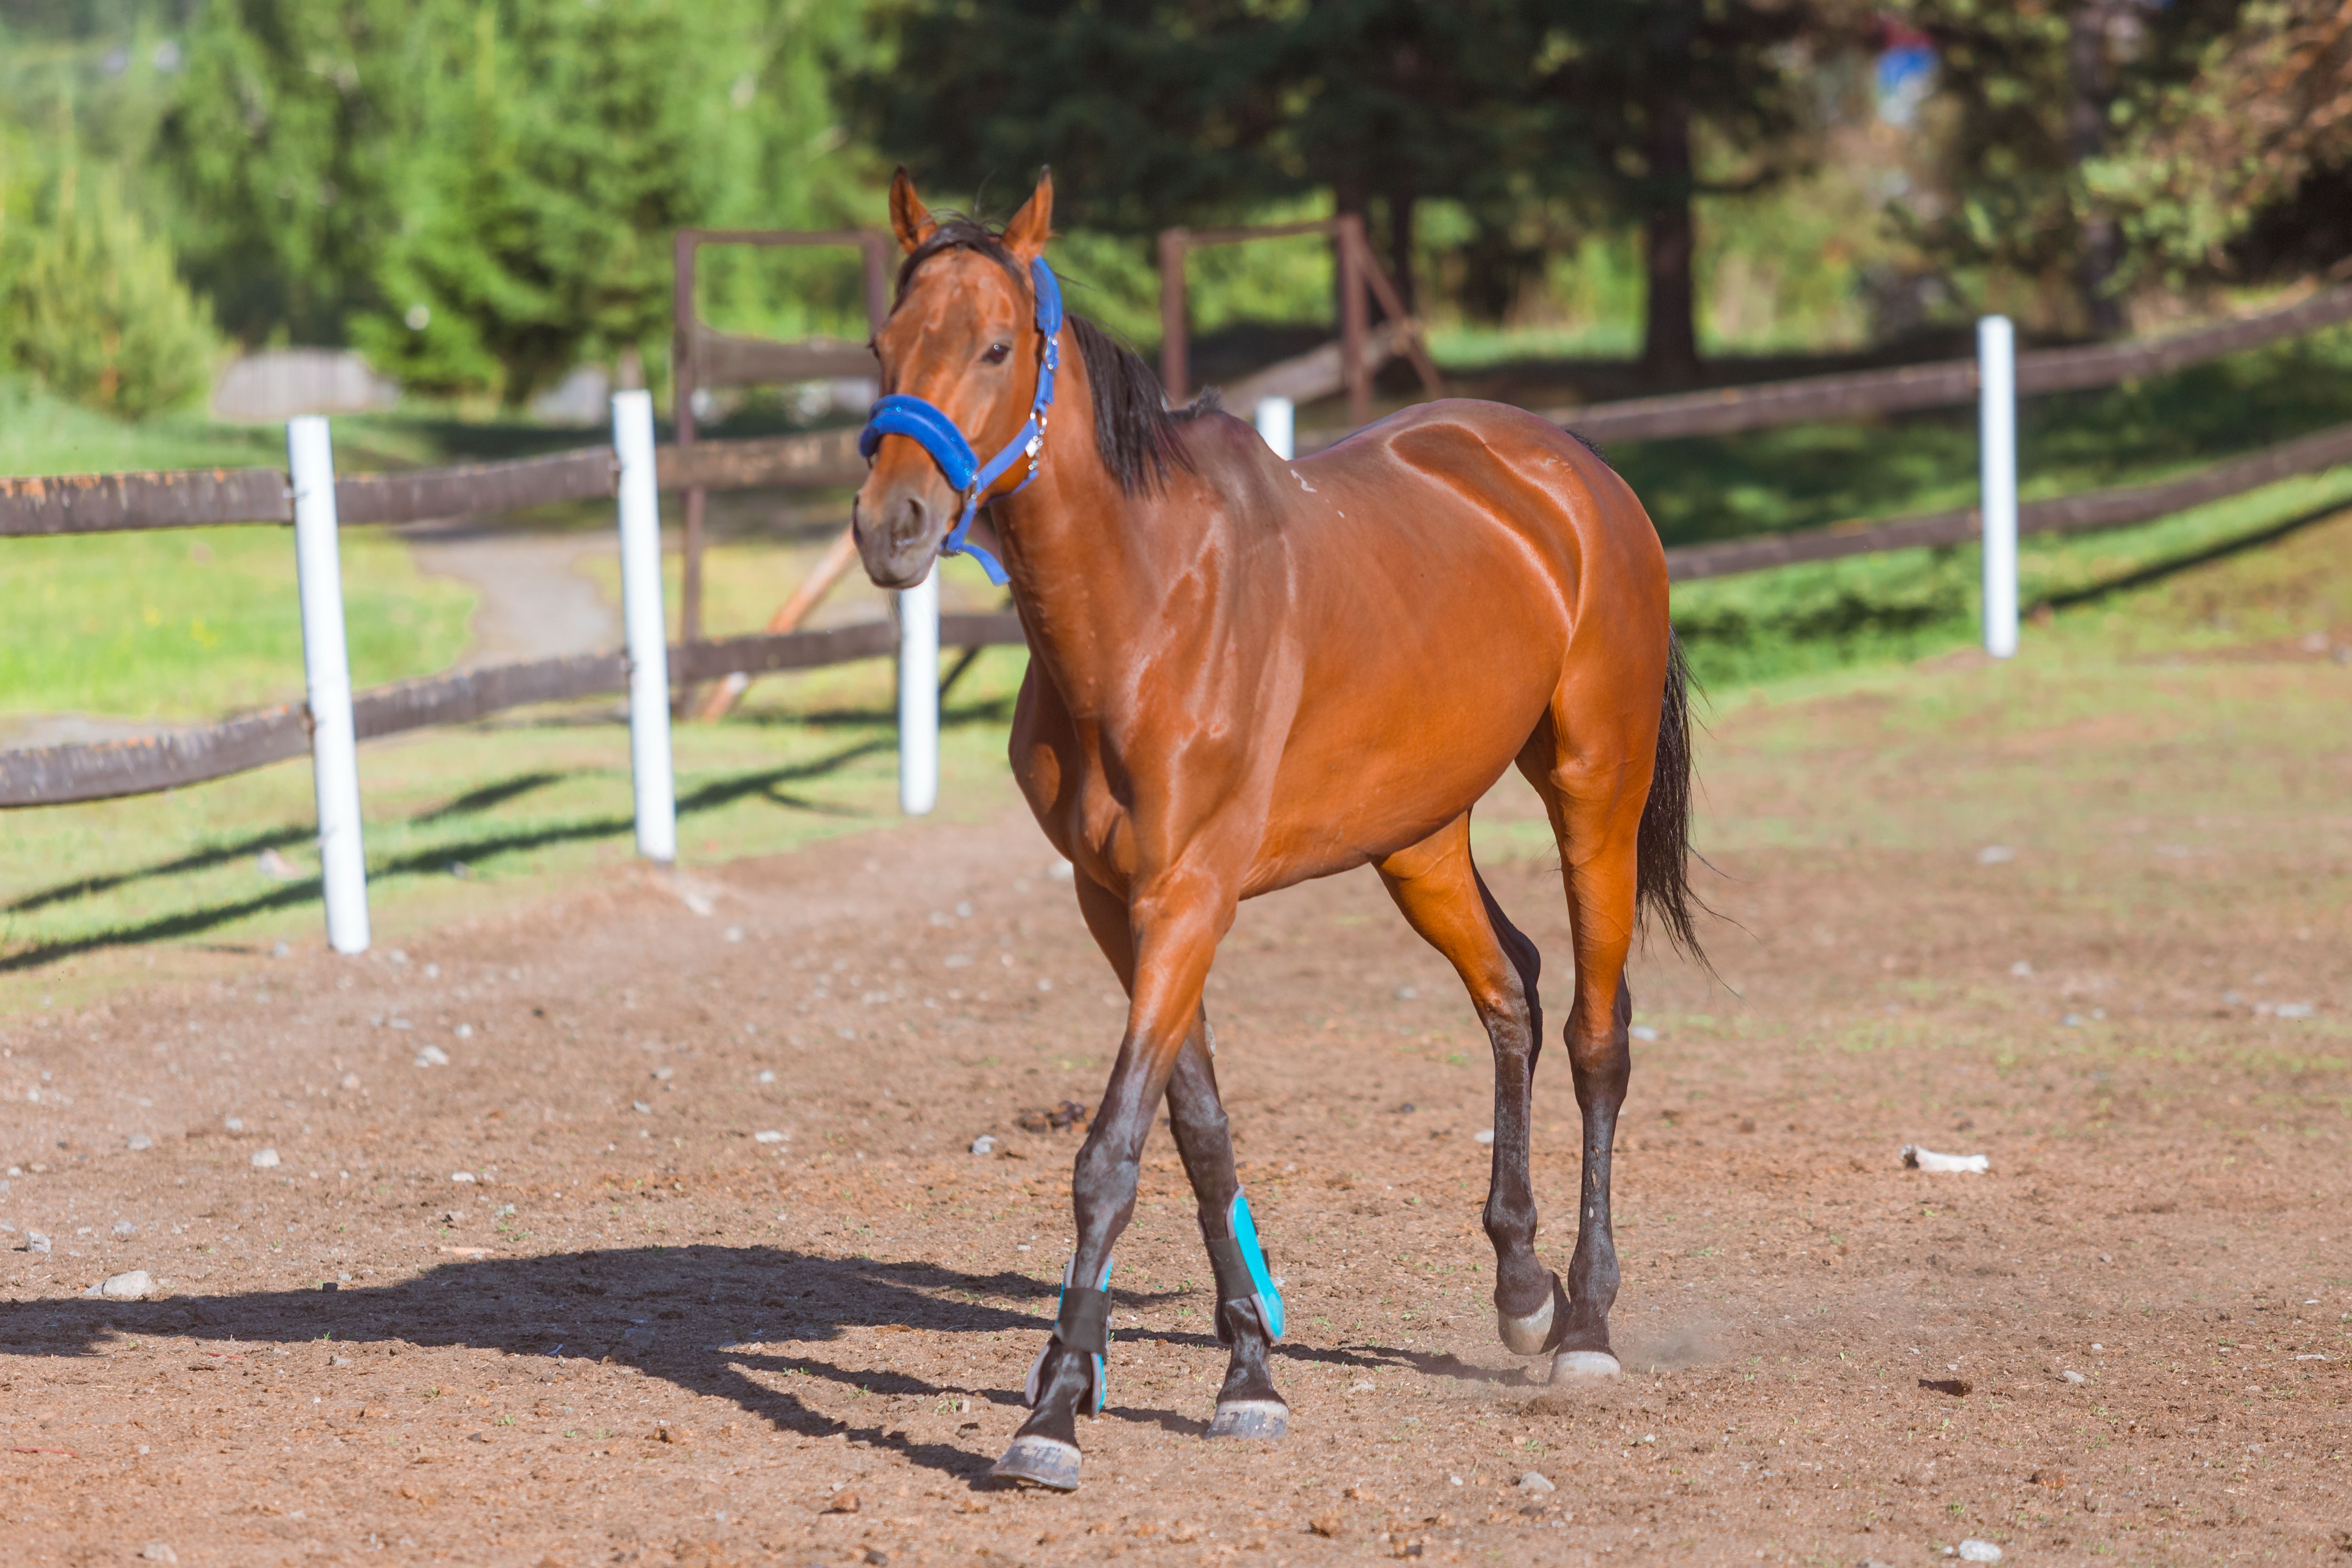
x=1514 y=1027
x=1103 y=1190
x=1602 y=1063
x=1165 y=996
x=1197 y=1117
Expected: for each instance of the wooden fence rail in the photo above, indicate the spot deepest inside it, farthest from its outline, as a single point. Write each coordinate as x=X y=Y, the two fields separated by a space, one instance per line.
x=58 y=775
x=205 y=498
x=2084 y=514
x=103 y=503
x=1728 y=410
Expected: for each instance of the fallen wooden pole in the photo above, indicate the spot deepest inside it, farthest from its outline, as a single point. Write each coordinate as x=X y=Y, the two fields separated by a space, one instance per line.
x=788 y=617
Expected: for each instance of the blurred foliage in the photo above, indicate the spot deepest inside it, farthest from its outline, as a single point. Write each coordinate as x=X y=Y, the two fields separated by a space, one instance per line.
x=481 y=192
x=2092 y=148
x=91 y=303
x=1163 y=111
x=2263 y=131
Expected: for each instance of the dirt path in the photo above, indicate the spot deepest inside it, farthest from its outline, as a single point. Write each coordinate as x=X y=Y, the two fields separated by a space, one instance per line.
x=535 y=604
x=684 y=1311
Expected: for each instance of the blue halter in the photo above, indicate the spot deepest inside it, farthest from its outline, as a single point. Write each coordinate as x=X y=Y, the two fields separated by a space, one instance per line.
x=900 y=415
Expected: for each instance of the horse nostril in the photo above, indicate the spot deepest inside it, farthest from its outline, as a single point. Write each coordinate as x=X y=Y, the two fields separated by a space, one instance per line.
x=907 y=523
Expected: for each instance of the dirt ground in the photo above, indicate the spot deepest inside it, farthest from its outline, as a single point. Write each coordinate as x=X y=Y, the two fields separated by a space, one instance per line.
x=680 y=1255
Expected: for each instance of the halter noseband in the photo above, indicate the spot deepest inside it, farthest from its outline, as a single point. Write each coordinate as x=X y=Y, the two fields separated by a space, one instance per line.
x=922 y=421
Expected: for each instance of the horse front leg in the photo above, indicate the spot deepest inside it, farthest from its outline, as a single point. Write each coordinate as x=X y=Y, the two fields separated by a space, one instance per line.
x=1176 y=928
x=1248 y=1311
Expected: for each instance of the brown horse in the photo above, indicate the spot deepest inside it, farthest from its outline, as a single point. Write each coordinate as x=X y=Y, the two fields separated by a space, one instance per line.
x=1246 y=672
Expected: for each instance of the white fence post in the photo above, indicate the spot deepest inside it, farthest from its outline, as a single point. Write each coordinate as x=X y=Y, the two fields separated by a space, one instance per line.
x=1997 y=460
x=326 y=677
x=918 y=695
x=1275 y=419
x=642 y=617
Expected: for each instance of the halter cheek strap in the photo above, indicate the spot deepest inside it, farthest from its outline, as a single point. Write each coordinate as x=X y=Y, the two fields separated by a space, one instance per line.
x=925 y=424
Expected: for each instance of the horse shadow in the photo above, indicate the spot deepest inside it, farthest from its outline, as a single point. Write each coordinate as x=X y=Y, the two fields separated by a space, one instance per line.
x=712 y=1320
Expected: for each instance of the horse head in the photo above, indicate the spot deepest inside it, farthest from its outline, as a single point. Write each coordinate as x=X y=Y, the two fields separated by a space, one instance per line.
x=968 y=357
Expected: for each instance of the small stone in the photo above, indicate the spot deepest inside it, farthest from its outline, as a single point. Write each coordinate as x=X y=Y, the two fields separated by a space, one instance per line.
x=234 y=1123
x=139 y=1143
x=135 y=1286
x=464 y=1031
x=641 y=1108
x=2073 y=1376
x=281 y=950
x=1537 y=1481
x=264 y=1158
x=1407 y=993
x=983 y=1144
x=432 y=1057
x=351 y=1081
x=770 y=1136
x=397 y=956
x=1486 y=1136
x=39 y=1241
x=842 y=1502
x=466 y=1176
x=1643 y=1032
x=1327 y=1525
x=767 y=1075
x=2295 y=1010
x=158 y=1551
x=733 y=933
x=1995 y=854
x=667 y=1433
x=124 y=1227
x=2021 y=969
x=1978 y=1551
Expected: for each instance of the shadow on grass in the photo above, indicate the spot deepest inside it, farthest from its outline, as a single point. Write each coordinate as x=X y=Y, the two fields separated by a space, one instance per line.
x=2158 y=571
x=435 y=862
x=201 y=860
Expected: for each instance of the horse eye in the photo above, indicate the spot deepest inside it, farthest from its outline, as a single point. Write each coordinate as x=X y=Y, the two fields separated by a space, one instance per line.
x=996 y=353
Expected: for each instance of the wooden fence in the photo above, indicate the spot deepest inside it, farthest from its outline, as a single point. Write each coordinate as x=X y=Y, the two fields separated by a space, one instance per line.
x=57 y=775
x=205 y=498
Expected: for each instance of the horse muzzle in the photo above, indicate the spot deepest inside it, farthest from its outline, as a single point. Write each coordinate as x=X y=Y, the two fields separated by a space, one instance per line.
x=900 y=530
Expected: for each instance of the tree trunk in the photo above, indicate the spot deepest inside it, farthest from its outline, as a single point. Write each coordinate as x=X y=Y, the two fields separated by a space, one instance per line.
x=2087 y=126
x=1669 y=335
x=1400 y=203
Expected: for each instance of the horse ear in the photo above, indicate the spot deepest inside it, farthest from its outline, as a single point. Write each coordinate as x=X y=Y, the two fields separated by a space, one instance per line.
x=909 y=217
x=1033 y=225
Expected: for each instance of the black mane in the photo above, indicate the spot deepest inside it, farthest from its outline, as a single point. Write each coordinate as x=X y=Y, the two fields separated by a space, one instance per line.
x=1135 y=430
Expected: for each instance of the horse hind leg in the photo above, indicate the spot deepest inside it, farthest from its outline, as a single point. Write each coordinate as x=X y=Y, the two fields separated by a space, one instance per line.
x=1441 y=895
x=1248 y=1312
x=1596 y=824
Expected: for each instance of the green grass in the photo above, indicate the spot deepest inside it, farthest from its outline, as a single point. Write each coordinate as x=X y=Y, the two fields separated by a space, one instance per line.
x=524 y=807
x=1905 y=605
x=190 y=625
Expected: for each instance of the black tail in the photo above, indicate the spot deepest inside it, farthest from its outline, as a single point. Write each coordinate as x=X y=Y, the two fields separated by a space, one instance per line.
x=1662 y=876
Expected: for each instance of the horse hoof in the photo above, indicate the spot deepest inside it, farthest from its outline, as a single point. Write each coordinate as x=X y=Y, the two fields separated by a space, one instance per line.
x=1040 y=1462
x=1262 y=1418
x=1532 y=1335
x=1573 y=1366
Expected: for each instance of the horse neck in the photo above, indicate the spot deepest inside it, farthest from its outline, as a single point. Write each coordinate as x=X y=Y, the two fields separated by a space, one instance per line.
x=1077 y=549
